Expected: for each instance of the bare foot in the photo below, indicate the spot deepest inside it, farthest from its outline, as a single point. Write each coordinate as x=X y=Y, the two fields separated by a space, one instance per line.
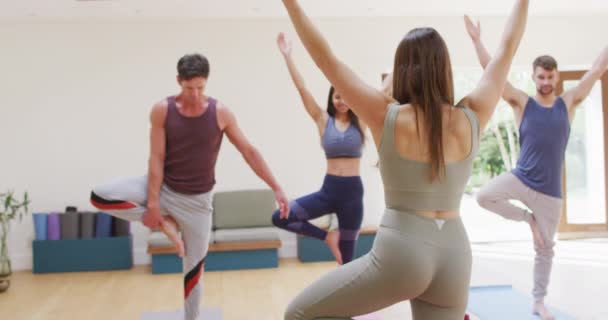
x=542 y=312
x=333 y=240
x=169 y=227
x=538 y=238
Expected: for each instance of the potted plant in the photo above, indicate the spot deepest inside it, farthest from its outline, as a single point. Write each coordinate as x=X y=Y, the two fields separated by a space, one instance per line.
x=10 y=208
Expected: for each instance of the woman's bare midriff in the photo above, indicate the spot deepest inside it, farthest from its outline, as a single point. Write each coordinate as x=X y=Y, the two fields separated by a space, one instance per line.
x=344 y=167
x=442 y=215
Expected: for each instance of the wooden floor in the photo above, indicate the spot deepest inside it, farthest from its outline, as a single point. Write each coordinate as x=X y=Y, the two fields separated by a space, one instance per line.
x=578 y=286
x=251 y=294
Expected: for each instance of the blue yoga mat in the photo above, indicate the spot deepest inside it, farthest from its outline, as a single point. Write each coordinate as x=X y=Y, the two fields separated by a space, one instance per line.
x=206 y=313
x=40 y=225
x=504 y=303
x=103 y=225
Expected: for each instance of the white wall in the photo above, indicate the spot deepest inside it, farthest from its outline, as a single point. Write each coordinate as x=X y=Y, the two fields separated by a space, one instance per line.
x=76 y=96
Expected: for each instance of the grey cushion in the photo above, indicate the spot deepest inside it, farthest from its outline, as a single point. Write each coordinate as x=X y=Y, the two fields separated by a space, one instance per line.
x=246 y=234
x=243 y=209
x=159 y=239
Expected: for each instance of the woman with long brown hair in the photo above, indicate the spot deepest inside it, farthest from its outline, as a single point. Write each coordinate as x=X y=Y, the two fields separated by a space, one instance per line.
x=426 y=144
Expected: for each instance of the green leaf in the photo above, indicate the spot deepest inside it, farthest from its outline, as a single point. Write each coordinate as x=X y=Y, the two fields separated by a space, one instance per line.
x=8 y=200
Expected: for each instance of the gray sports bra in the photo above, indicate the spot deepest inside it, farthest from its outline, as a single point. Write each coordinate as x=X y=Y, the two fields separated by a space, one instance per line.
x=407 y=186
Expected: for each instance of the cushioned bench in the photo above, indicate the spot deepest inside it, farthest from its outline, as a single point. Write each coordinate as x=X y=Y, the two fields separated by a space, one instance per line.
x=314 y=250
x=221 y=256
x=242 y=235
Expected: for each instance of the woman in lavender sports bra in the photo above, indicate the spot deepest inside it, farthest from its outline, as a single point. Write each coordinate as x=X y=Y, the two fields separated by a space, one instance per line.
x=342 y=138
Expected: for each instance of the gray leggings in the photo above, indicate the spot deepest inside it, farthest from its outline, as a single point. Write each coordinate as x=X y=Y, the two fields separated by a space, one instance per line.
x=127 y=198
x=411 y=259
x=547 y=210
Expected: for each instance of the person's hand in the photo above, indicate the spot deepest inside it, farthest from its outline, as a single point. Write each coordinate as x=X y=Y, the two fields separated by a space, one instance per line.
x=473 y=30
x=284 y=44
x=283 y=203
x=152 y=218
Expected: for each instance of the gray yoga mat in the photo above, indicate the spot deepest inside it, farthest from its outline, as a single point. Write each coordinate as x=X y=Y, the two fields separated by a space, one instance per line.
x=206 y=313
x=121 y=228
x=69 y=225
x=87 y=225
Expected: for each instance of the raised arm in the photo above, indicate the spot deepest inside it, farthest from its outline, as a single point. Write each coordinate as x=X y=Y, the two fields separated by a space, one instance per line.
x=576 y=95
x=316 y=113
x=367 y=102
x=514 y=97
x=485 y=96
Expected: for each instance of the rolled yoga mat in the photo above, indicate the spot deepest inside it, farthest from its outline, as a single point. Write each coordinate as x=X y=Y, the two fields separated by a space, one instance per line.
x=87 y=225
x=121 y=228
x=71 y=209
x=69 y=225
x=53 y=231
x=40 y=225
x=103 y=225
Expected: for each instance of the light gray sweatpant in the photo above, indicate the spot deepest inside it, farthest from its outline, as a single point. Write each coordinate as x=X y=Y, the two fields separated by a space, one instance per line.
x=126 y=199
x=547 y=210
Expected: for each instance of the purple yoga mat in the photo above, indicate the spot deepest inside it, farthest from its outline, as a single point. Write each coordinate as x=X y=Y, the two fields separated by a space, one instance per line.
x=53 y=225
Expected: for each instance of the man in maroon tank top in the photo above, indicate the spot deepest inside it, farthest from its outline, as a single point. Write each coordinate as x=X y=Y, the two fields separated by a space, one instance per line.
x=185 y=138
